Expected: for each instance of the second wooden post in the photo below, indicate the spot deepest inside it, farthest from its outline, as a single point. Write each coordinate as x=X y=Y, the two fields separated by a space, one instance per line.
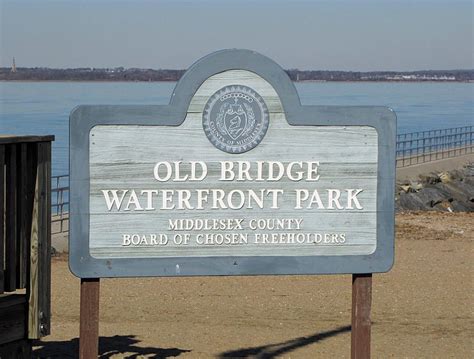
x=89 y=318
x=361 y=322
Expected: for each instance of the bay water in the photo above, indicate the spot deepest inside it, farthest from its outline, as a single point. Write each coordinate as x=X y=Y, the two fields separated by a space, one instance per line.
x=34 y=108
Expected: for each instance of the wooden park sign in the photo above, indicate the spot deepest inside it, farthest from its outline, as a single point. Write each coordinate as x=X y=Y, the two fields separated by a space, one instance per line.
x=233 y=177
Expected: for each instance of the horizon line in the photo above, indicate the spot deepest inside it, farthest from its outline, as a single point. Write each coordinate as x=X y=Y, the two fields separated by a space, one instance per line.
x=185 y=69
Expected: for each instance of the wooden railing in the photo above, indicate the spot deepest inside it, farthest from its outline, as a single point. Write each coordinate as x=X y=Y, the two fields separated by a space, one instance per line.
x=25 y=240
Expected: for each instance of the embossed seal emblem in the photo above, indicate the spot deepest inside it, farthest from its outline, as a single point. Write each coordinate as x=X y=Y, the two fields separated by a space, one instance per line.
x=235 y=119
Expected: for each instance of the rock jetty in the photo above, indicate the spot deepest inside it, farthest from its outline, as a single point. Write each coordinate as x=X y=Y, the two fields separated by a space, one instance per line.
x=450 y=191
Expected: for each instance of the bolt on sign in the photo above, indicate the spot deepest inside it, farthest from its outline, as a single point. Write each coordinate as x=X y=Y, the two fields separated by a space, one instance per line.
x=233 y=177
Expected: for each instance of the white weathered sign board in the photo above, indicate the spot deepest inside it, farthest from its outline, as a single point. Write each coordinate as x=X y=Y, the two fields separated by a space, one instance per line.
x=160 y=195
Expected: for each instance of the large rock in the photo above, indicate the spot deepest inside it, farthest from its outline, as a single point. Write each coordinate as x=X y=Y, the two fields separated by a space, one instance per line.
x=431 y=178
x=445 y=191
x=411 y=201
x=433 y=195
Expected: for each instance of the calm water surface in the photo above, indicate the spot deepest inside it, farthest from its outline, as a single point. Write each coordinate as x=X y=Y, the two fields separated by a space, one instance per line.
x=44 y=107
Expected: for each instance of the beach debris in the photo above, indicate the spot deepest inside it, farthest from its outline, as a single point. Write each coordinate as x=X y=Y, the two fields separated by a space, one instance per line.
x=410 y=187
x=405 y=188
x=431 y=178
x=416 y=186
x=444 y=177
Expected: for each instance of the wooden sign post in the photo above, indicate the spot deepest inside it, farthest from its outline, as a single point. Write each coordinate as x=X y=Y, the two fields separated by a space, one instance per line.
x=89 y=318
x=361 y=323
x=233 y=177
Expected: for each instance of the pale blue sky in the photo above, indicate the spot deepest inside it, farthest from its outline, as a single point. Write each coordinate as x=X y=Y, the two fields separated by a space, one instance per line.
x=357 y=35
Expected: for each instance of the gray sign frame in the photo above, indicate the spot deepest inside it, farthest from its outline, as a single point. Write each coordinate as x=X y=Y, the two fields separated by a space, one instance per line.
x=84 y=118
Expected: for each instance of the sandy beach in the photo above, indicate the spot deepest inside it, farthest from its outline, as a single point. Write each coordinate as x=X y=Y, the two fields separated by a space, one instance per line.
x=421 y=309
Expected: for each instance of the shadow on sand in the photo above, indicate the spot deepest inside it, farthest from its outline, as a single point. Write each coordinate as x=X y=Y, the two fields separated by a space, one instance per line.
x=274 y=350
x=108 y=346
x=121 y=344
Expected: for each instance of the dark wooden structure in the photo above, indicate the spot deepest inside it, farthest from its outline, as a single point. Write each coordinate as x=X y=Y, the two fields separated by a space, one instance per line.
x=361 y=322
x=25 y=242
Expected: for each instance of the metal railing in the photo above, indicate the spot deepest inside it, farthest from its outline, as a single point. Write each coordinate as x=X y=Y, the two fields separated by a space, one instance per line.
x=426 y=146
x=60 y=204
x=412 y=148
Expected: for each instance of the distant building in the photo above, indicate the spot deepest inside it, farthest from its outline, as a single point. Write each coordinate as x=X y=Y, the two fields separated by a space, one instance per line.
x=13 y=66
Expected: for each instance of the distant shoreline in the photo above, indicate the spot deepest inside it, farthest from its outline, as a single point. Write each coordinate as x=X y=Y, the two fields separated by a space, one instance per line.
x=301 y=82
x=121 y=74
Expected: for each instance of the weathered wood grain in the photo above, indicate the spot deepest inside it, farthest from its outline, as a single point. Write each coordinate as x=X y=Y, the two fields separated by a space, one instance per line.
x=11 y=218
x=19 y=349
x=33 y=294
x=89 y=318
x=40 y=251
x=13 y=315
x=123 y=157
x=44 y=250
x=31 y=171
x=9 y=139
x=40 y=258
x=235 y=77
x=22 y=222
x=361 y=322
x=25 y=170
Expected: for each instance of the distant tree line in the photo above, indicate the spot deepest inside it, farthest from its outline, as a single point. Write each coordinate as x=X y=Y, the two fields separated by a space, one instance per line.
x=425 y=75
x=89 y=74
x=136 y=74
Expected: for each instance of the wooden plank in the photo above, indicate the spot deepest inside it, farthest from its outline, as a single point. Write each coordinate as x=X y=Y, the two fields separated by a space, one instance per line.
x=129 y=154
x=11 y=218
x=40 y=248
x=33 y=295
x=44 y=252
x=20 y=349
x=233 y=77
x=361 y=322
x=89 y=318
x=32 y=164
x=12 y=317
x=2 y=218
x=8 y=139
x=22 y=218
x=130 y=164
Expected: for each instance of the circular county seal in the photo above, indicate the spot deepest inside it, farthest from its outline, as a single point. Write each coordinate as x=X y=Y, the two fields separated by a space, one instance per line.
x=235 y=119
